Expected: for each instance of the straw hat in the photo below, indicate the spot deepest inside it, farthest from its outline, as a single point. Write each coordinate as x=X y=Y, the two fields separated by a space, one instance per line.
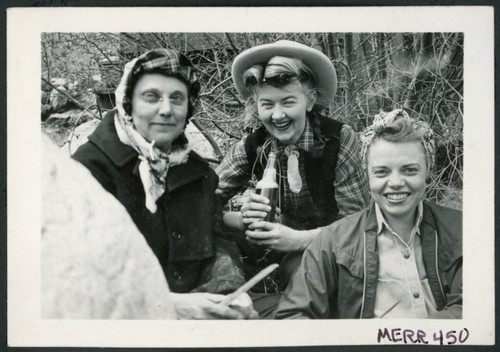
x=318 y=62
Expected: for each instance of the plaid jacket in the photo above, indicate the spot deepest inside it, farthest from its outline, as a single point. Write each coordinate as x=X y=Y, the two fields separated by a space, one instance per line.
x=336 y=183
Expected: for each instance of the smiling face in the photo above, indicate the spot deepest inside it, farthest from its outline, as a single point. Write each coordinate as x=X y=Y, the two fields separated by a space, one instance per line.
x=159 y=108
x=397 y=173
x=283 y=111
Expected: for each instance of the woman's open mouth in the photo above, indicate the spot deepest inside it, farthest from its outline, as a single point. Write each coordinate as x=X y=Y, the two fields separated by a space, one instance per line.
x=396 y=197
x=282 y=125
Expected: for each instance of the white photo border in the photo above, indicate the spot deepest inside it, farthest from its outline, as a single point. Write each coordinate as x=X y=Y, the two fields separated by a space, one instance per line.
x=24 y=27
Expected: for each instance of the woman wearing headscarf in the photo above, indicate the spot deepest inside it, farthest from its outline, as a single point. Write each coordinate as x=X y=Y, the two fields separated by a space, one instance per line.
x=399 y=258
x=286 y=85
x=140 y=154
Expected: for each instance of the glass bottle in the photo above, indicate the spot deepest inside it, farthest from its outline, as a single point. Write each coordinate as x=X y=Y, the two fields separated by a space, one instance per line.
x=268 y=186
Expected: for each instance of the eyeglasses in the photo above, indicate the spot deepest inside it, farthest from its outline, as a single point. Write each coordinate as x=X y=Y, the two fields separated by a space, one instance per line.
x=155 y=98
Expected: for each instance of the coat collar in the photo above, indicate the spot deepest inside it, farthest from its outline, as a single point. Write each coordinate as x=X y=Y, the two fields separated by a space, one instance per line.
x=370 y=263
x=371 y=219
x=106 y=139
x=430 y=253
x=450 y=247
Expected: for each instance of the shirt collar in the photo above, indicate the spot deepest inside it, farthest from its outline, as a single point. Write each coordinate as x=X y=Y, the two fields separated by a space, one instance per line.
x=381 y=222
x=306 y=140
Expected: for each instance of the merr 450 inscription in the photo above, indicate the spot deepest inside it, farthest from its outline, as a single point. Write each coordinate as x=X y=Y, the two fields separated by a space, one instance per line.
x=419 y=336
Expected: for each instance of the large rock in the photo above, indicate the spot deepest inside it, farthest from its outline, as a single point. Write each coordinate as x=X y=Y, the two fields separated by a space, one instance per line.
x=58 y=100
x=80 y=135
x=200 y=143
x=95 y=263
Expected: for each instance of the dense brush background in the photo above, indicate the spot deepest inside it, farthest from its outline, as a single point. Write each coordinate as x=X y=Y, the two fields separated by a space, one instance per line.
x=420 y=72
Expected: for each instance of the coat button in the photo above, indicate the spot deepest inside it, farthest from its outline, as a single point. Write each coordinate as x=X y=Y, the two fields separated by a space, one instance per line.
x=416 y=295
x=176 y=235
x=177 y=275
x=407 y=255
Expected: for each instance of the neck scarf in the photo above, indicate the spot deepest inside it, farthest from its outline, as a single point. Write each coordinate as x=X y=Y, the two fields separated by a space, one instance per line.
x=292 y=173
x=154 y=163
x=306 y=143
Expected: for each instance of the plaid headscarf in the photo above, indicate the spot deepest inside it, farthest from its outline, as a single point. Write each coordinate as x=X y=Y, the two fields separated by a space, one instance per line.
x=154 y=163
x=385 y=119
x=167 y=61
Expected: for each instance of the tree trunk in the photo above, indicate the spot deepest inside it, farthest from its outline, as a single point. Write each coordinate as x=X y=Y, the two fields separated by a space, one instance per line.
x=398 y=76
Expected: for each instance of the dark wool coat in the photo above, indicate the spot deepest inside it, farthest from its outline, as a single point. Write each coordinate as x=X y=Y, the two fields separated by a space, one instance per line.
x=182 y=231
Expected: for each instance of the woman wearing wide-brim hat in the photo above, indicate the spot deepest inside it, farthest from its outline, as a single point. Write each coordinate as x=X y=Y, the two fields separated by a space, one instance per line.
x=286 y=85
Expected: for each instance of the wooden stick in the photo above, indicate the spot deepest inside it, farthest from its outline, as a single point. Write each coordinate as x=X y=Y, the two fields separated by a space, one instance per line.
x=249 y=284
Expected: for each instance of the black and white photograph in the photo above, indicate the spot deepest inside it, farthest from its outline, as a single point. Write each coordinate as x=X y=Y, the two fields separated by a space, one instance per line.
x=298 y=183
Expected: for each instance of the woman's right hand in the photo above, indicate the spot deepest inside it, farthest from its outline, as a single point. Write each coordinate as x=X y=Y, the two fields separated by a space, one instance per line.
x=255 y=208
x=203 y=305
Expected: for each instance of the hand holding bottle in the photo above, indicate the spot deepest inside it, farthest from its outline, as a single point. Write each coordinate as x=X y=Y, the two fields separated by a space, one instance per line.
x=255 y=208
x=261 y=205
x=278 y=236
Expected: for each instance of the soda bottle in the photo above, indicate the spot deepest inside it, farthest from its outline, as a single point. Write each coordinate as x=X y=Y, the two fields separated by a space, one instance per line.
x=268 y=187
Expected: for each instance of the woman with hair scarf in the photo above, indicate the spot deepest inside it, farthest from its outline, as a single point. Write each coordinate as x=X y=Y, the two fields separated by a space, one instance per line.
x=140 y=154
x=401 y=257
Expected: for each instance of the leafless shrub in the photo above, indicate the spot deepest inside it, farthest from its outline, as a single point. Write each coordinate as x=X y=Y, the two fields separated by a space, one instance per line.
x=420 y=72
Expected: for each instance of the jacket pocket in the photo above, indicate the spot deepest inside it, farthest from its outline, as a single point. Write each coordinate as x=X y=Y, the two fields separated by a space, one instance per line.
x=349 y=285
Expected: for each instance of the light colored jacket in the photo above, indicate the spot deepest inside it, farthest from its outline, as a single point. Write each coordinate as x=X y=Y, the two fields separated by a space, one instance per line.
x=338 y=275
